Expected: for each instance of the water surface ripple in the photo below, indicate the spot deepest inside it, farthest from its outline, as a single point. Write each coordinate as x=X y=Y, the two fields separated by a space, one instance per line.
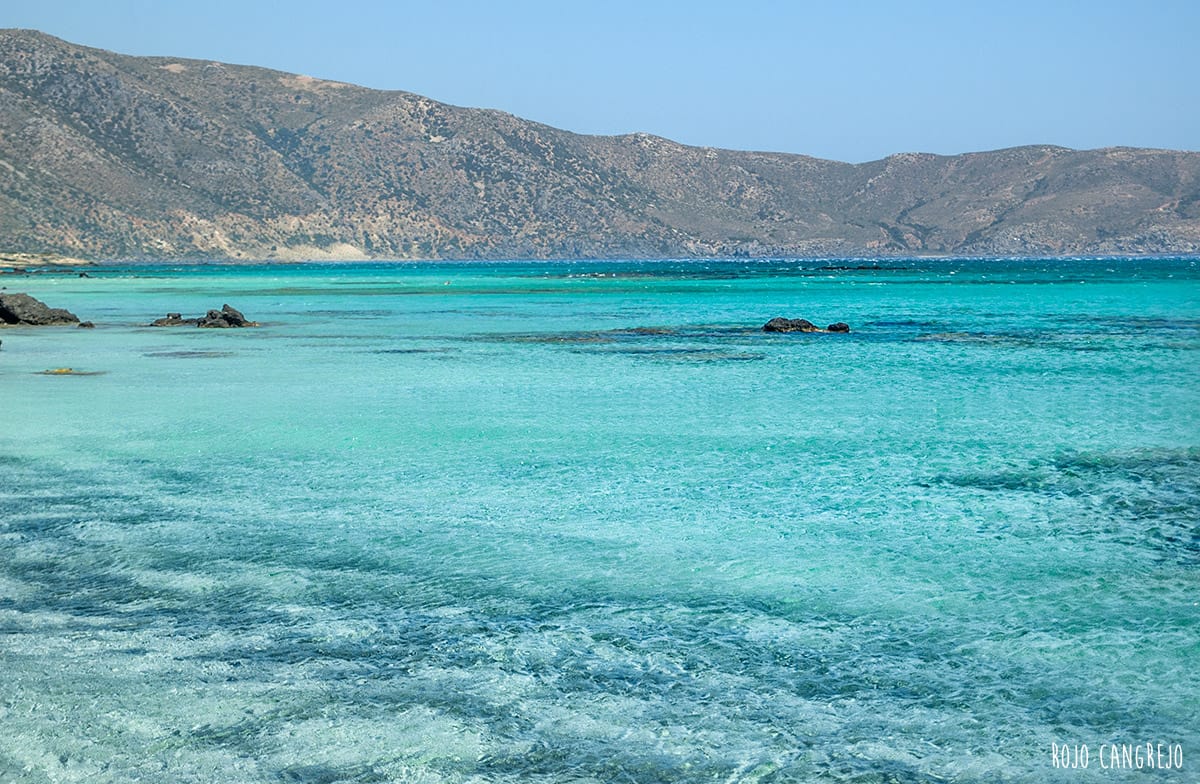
x=586 y=522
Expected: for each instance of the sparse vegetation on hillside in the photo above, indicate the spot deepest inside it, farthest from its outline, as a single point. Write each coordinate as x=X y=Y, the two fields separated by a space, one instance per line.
x=108 y=156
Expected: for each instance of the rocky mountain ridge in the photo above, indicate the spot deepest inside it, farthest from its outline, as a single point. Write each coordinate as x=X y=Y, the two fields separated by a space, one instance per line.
x=108 y=156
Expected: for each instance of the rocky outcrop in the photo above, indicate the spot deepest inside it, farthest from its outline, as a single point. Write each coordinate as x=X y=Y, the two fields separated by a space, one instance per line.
x=25 y=310
x=174 y=320
x=224 y=318
x=779 y=324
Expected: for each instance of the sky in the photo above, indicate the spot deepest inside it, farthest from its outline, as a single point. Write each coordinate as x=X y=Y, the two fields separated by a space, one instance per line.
x=851 y=81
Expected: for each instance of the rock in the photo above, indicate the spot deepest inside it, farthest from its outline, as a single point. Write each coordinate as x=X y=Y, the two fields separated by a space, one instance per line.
x=86 y=325
x=175 y=320
x=84 y=275
x=214 y=318
x=224 y=318
x=24 y=309
x=802 y=325
x=790 y=325
x=235 y=317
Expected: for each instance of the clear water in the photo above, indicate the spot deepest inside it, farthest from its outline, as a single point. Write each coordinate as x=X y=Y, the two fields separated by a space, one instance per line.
x=469 y=523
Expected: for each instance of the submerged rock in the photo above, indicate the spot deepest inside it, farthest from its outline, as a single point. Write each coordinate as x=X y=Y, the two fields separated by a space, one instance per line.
x=66 y=371
x=24 y=309
x=226 y=317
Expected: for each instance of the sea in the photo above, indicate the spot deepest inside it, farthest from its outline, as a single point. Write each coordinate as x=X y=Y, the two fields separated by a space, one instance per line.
x=587 y=522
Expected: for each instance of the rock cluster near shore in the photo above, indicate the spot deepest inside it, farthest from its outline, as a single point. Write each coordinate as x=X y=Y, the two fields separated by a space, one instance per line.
x=22 y=309
x=220 y=319
x=779 y=324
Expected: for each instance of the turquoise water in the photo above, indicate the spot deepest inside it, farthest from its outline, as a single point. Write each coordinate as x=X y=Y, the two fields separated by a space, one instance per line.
x=585 y=522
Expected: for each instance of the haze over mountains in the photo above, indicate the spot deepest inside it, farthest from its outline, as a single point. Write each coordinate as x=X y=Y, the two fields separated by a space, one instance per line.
x=105 y=155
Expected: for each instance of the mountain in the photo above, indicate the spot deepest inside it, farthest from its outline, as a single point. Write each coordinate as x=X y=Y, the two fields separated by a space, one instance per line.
x=104 y=155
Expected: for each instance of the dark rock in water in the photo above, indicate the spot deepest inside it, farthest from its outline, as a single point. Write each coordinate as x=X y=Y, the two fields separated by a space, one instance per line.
x=235 y=317
x=790 y=325
x=84 y=275
x=225 y=317
x=802 y=325
x=24 y=309
x=86 y=325
x=175 y=320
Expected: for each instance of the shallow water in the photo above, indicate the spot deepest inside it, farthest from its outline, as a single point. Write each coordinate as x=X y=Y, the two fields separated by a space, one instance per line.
x=569 y=522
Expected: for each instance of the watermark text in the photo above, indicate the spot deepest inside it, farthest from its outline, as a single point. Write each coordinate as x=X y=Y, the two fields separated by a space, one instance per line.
x=1118 y=756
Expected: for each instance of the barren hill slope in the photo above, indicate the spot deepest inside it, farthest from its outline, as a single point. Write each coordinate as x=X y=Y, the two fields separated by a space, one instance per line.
x=109 y=156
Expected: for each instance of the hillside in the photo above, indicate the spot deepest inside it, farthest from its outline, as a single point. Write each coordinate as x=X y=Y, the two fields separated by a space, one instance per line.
x=104 y=155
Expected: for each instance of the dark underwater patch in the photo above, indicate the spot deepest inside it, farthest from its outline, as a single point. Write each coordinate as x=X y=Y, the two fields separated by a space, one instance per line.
x=411 y=351
x=1100 y=342
x=678 y=354
x=905 y=324
x=361 y=315
x=188 y=354
x=330 y=774
x=1146 y=495
x=689 y=343
x=639 y=335
x=69 y=372
x=978 y=338
x=1131 y=323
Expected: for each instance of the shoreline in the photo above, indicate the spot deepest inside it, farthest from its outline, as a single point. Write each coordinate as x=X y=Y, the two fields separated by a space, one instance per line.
x=17 y=262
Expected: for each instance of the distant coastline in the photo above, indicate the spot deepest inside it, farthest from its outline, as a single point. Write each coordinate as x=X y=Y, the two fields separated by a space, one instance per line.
x=17 y=261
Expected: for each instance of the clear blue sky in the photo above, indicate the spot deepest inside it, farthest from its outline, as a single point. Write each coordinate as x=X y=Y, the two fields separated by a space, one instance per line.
x=847 y=80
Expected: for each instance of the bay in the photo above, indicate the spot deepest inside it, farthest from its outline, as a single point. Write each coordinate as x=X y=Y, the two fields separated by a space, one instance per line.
x=586 y=521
